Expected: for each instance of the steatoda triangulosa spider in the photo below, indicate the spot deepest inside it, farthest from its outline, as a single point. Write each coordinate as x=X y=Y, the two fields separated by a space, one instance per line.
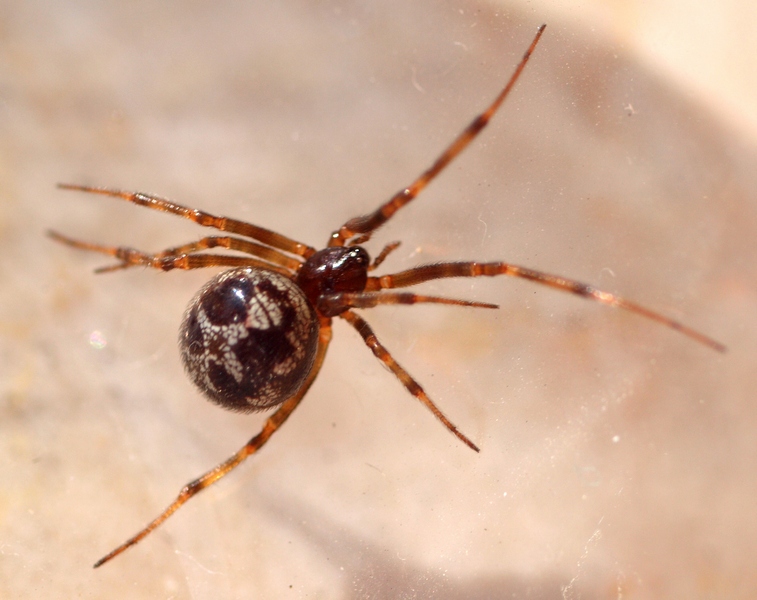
x=256 y=335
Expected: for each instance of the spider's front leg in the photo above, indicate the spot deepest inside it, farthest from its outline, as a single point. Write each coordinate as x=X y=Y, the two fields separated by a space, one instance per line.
x=476 y=269
x=365 y=225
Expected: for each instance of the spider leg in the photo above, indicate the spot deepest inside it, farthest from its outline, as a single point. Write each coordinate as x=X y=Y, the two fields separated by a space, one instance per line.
x=476 y=269
x=271 y=238
x=366 y=224
x=332 y=305
x=386 y=251
x=271 y=425
x=231 y=243
x=169 y=259
x=407 y=380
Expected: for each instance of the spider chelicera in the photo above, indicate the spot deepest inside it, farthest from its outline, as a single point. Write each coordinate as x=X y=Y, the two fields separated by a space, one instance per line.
x=256 y=335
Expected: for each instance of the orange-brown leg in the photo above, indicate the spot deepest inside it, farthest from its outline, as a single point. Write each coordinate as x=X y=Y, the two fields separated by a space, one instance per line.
x=407 y=380
x=333 y=304
x=168 y=260
x=271 y=238
x=268 y=254
x=366 y=224
x=387 y=250
x=475 y=269
x=209 y=478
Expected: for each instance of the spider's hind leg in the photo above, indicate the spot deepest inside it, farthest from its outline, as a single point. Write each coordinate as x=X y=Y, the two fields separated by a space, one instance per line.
x=182 y=257
x=249 y=230
x=273 y=423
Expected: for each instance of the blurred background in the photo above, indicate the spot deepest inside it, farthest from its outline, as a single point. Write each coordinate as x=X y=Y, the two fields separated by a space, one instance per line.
x=618 y=457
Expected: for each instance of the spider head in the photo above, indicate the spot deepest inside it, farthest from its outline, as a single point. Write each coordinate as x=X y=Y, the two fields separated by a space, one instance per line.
x=333 y=270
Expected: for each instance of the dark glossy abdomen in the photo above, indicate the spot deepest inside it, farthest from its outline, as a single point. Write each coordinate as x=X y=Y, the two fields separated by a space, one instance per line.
x=248 y=339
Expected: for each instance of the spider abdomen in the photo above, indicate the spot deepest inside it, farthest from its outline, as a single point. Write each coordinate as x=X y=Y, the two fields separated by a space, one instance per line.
x=248 y=339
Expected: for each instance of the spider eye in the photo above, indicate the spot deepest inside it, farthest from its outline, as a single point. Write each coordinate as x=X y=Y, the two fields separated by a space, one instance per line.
x=248 y=339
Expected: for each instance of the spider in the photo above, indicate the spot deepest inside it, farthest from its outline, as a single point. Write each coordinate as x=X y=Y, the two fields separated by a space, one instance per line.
x=255 y=336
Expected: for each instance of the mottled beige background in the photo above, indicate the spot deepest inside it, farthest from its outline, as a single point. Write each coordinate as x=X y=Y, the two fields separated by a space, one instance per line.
x=618 y=458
